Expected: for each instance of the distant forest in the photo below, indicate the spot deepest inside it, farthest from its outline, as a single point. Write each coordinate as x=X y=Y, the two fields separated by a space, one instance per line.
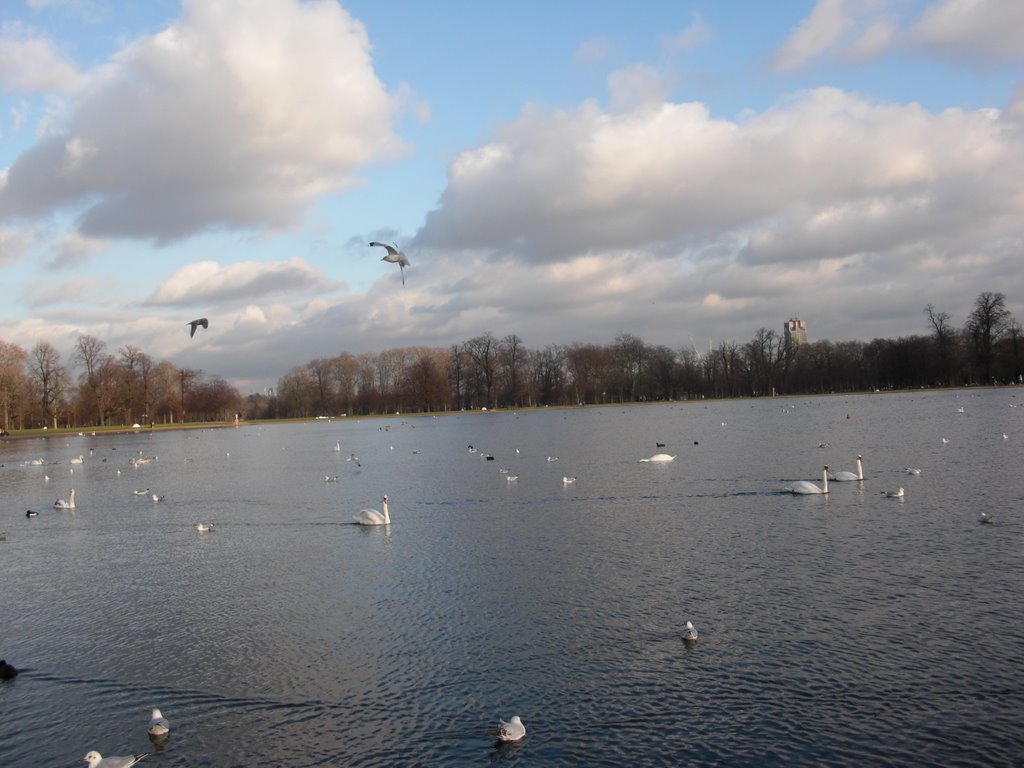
x=36 y=389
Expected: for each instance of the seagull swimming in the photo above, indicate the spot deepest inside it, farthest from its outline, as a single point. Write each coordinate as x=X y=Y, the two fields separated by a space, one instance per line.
x=568 y=480
x=394 y=256
x=195 y=324
x=96 y=760
x=897 y=494
x=513 y=730
x=158 y=725
x=985 y=519
x=204 y=527
x=690 y=633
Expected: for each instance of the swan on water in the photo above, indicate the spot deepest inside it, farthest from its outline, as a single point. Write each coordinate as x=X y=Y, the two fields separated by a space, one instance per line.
x=842 y=477
x=66 y=504
x=659 y=458
x=803 y=487
x=337 y=446
x=512 y=730
x=372 y=516
x=79 y=460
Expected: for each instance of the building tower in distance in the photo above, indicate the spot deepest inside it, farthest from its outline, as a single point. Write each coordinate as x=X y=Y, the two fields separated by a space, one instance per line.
x=795 y=331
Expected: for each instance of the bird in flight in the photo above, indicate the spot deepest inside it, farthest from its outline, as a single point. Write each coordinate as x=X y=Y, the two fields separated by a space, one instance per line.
x=394 y=256
x=196 y=323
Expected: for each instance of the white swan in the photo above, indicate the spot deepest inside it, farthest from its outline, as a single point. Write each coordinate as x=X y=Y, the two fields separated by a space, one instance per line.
x=68 y=504
x=659 y=458
x=372 y=516
x=803 y=487
x=512 y=730
x=79 y=460
x=842 y=477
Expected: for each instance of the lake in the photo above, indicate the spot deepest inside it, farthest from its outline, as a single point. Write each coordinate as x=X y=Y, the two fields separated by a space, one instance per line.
x=849 y=629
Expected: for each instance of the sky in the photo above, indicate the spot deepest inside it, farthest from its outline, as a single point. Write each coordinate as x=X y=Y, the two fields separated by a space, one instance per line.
x=684 y=172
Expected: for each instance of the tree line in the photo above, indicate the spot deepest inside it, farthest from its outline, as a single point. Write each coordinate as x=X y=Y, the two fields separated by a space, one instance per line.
x=490 y=372
x=37 y=389
x=487 y=371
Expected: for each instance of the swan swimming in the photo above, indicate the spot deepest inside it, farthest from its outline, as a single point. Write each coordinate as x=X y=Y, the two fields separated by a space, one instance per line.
x=69 y=504
x=659 y=458
x=842 y=477
x=372 y=516
x=513 y=730
x=803 y=487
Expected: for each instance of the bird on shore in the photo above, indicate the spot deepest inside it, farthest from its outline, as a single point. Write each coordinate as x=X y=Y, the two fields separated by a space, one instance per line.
x=96 y=760
x=195 y=324
x=394 y=256
x=158 y=725
x=511 y=730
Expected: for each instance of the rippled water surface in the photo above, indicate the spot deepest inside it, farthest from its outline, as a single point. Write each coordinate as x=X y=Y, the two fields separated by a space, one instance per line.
x=848 y=629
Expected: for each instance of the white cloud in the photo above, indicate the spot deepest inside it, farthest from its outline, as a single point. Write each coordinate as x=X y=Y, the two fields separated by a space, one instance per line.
x=979 y=31
x=14 y=244
x=29 y=63
x=592 y=52
x=694 y=36
x=207 y=282
x=636 y=86
x=817 y=33
x=74 y=250
x=238 y=116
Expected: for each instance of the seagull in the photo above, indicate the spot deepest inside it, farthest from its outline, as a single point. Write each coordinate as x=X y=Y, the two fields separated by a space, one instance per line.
x=203 y=528
x=690 y=633
x=155 y=497
x=513 y=730
x=196 y=323
x=897 y=494
x=394 y=256
x=912 y=470
x=568 y=480
x=96 y=760
x=984 y=519
x=140 y=491
x=158 y=725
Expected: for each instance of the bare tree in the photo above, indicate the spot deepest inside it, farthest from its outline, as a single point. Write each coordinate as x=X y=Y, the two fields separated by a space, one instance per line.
x=14 y=384
x=50 y=379
x=985 y=326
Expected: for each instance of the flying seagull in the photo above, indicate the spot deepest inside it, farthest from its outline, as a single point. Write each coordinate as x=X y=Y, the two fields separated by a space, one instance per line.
x=394 y=256
x=196 y=323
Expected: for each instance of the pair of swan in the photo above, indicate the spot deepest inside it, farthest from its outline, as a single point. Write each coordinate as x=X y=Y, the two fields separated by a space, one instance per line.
x=372 y=516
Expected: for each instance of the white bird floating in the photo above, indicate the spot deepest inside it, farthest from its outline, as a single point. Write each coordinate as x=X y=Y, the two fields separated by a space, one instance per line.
x=141 y=492
x=79 y=460
x=912 y=470
x=512 y=730
x=985 y=519
x=96 y=760
x=690 y=633
x=945 y=440
x=204 y=527
x=156 y=497
x=66 y=504
x=372 y=516
x=658 y=458
x=568 y=480
x=394 y=256
x=337 y=446
x=897 y=494
x=804 y=488
x=158 y=725
x=843 y=477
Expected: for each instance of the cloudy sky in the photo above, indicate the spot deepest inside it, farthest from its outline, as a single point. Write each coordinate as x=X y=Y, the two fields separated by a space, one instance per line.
x=686 y=172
